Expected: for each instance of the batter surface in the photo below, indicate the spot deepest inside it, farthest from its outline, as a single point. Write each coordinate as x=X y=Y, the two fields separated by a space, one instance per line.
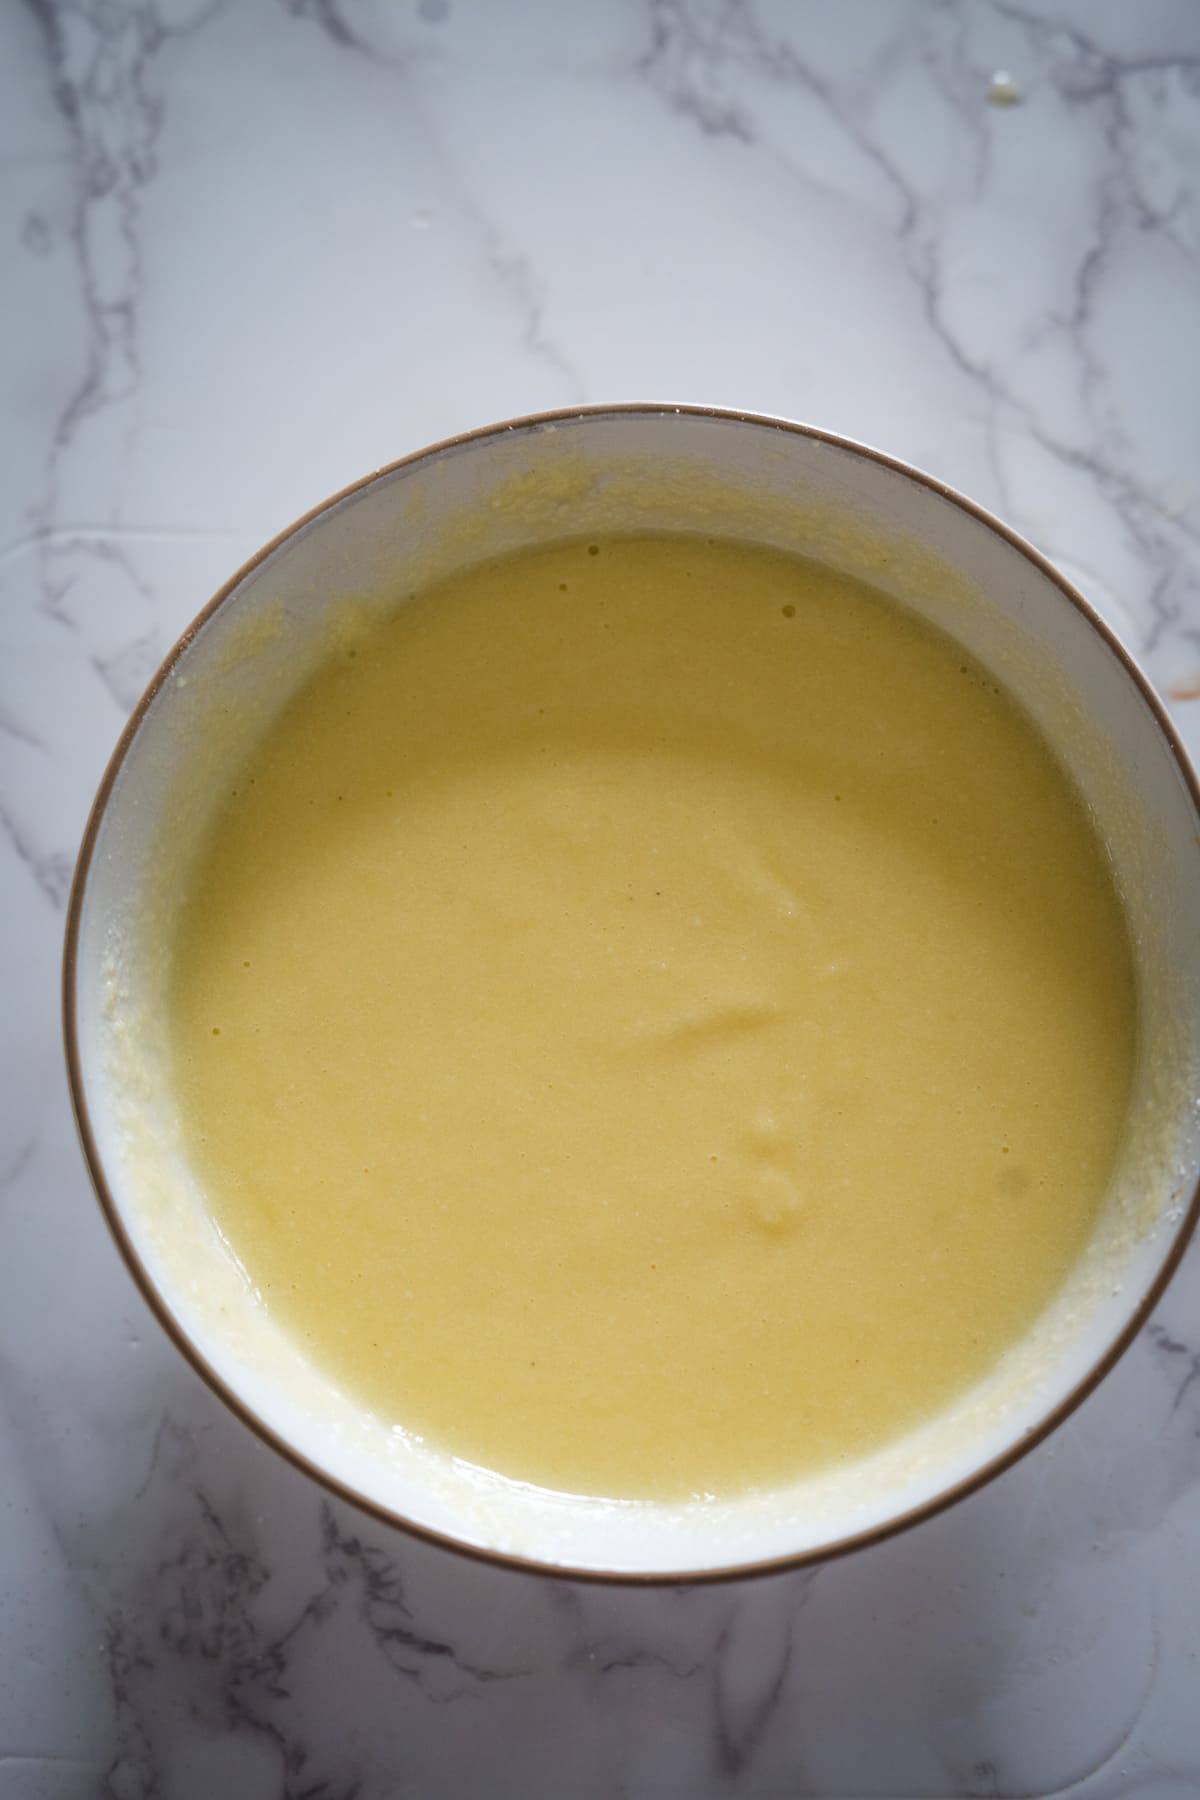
x=653 y=1017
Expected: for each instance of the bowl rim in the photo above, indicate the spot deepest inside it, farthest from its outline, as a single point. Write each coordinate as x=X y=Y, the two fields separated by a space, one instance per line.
x=160 y=1305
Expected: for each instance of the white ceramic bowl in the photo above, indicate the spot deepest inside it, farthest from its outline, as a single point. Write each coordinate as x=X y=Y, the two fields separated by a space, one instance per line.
x=530 y=481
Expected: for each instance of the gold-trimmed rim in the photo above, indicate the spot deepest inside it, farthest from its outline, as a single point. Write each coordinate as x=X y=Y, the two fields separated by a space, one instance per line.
x=158 y=1305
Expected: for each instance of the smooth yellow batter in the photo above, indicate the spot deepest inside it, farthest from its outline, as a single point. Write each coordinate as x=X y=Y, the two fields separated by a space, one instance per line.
x=653 y=1017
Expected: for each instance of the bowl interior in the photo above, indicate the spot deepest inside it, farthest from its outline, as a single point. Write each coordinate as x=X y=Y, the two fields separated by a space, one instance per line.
x=627 y=469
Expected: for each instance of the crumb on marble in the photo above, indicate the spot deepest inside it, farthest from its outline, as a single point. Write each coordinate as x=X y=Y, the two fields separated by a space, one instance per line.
x=1003 y=90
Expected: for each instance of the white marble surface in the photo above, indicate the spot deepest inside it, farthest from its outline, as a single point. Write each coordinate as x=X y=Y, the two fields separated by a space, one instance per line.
x=252 y=250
